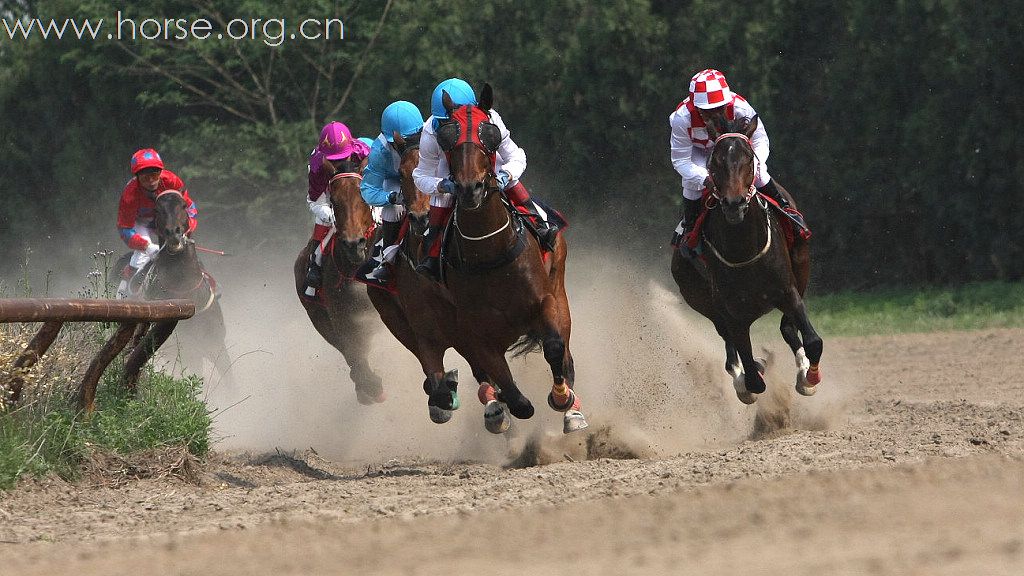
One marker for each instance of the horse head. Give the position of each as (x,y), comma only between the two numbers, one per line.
(470,141)
(416,203)
(171,221)
(732,165)
(351,215)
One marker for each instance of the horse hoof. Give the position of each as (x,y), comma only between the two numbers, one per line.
(495,418)
(805,390)
(573,421)
(746,397)
(439,415)
(522,409)
(571,403)
(369,399)
(813,376)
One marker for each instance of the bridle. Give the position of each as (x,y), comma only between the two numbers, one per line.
(751,190)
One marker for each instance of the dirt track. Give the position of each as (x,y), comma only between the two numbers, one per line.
(909,460)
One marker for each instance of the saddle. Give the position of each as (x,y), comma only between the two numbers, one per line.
(693,239)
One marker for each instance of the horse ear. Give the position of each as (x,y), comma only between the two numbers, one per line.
(712,128)
(486,97)
(751,127)
(399,140)
(329,167)
(446,100)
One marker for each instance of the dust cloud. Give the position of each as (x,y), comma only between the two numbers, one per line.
(648,371)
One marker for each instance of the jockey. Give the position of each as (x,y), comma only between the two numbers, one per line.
(432,174)
(710,97)
(381,186)
(135,214)
(336,143)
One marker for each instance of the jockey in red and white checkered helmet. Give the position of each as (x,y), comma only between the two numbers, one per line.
(709,97)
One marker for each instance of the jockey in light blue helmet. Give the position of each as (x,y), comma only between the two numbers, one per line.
(460,92)
(381,187)
(365,140)
(402,117)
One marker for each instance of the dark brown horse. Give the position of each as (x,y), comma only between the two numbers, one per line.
(340,314)
(506,291)
(420,313)
(750,270)
(176,273)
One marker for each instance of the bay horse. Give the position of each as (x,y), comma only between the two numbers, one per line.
(750,270)
(420,313)
(339,313)
(177,273)
(508,294)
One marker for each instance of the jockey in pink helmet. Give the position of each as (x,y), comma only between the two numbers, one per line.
(710,97)
(135,215)
(336,144)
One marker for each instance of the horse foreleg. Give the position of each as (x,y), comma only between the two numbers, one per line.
(154,339)
(350,337)
(752,369)
(733,365)
(496,367)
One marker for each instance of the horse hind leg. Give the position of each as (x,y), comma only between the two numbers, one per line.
(808,356)
(562,398)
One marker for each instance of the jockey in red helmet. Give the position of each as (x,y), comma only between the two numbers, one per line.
(336,143)
(710,97)
(135,215)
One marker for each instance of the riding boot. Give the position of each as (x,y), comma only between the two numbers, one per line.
(124,288)
(547,231)
(772,191)
(314,272)
(691,209)
(381,273)
(430,266)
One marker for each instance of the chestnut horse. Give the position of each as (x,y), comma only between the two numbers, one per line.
(340,314)
(176,272)
(750,269)
(507,292)
(420,313)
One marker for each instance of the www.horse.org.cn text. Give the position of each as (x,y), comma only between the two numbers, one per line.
(270,31)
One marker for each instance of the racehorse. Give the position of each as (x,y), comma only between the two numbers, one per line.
(507,293)
(419,312)
(176,273)
(749,270)
(339,313)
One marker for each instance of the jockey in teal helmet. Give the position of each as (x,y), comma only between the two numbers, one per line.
(381,187)
(432,174)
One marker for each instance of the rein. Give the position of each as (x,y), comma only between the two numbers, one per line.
(455,220)
(767,242)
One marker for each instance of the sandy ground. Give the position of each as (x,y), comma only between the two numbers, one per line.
(909,460)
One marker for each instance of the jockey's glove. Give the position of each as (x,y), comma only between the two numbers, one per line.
(503,178)
(446,186)
(151,250)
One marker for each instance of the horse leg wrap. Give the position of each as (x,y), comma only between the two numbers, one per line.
(486,393)
(813,375)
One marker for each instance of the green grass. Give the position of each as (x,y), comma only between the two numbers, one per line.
(967,307)
(49,438)
(44,434)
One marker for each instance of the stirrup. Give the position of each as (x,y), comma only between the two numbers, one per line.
(547,236)
(430,267)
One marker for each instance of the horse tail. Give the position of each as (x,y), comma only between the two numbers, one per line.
(531,342)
